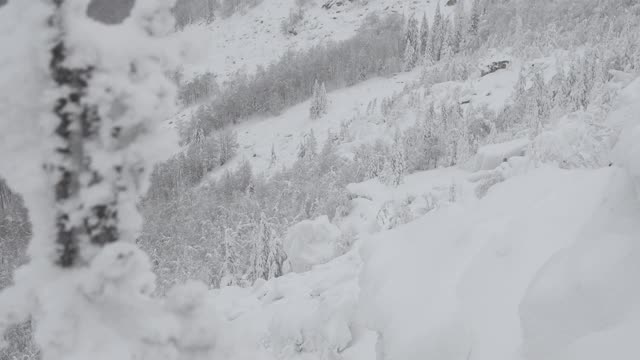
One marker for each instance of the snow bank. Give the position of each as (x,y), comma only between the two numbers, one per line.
(296,316)
(589,286)
(490,156)
(626,119)
(449,285)
(311,242)
(376,206)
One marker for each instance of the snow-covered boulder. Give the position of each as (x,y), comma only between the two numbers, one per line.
(311,242)
(491,156)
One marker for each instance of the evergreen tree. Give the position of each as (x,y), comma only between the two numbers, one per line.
(312,144)
(319,101)
(448,44)
(437,36)
(459,33)
(424,35)
(395,166)
(314,109)
(324,100)
(410,56)
(474,19)
(228,142)
(542,102)
(229,269)
(273,156)
(413,34)
(268,255)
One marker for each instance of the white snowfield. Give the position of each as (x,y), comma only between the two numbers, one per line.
(544,266)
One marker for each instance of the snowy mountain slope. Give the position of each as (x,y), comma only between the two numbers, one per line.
(542,267)
(244,41)
(286,131)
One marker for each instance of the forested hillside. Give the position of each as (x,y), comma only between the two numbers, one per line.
(357,180)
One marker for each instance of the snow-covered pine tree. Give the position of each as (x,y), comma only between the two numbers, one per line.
(437,36)
(229,270)
(315,110)
(275,256)
(541,102)
(89,125)
(302,149)
(448,41)
(413,33)
(312,144)
(395,166)
(459,28)
(267,256)
(324,100)
(474,20)
(410,56)
(580,89)
(274,158)
(228,142)
(424,35)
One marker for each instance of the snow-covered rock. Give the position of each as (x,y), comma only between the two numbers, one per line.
(490,156)
(311,242)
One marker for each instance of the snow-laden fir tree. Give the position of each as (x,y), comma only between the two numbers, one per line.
(539,107)
(319,101)
(448,44)
(229,269)
(84,124)
(424,35)
(474,21)
(308,147)
(395,166)
(267,255)
(412,33)
(459,28)
(274,157)
(410,56)
(437,35)
(228,142)
(324,100)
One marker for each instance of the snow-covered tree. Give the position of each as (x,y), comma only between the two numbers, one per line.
(458,36)
(84,124)
(437,34)
(228,142)
(474,19)
(395,166)
(424,35)
(319,101)
(268,255)
(412,34)
(274,157)
(540,107)
(229,271)
(410,56)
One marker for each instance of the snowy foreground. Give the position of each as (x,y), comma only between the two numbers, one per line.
(544,266)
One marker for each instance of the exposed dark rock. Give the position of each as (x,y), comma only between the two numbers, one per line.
(109,11)
(495,66)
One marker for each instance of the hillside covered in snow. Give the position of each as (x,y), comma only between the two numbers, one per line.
(320,180)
